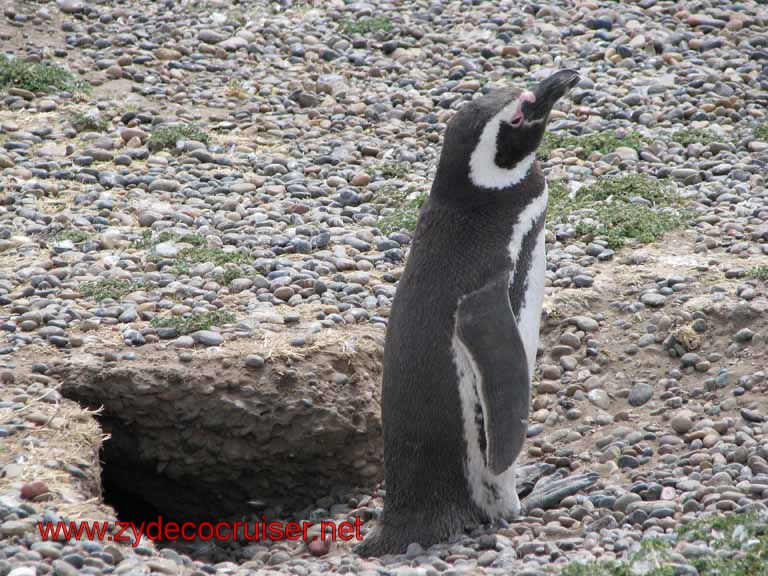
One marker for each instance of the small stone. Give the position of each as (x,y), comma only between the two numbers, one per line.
(586,323)
(743,335)
(70,6)
(254,361)
(320,547)
(34,489)
(640,394)
(183,342)
(413,550)
(599,398)
(62,568)
(360,179)
(752,416)
(208,338)
(682,422)
(653,299)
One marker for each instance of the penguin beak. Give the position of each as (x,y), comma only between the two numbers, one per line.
(547,93)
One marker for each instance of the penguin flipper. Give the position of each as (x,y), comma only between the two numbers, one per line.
(487,327)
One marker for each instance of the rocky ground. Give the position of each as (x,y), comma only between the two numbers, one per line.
(217,182)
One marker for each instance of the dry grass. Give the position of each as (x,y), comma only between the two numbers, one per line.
(70,436)
(346,344)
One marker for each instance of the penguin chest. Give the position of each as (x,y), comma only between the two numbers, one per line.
(496,493)
(528,265)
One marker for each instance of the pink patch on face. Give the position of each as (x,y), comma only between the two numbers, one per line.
(526,96)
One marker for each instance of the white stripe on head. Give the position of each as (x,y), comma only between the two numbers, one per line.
(483,170)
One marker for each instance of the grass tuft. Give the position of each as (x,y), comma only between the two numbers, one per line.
(193,322)
(37,77)
(236,89)
(366,25)
(603,142)
(635,206)
(392,170)
(73,234)
(688,136)
(405,211)
(229,274)
(147,241)
(760,132)
(83,122)
(739,543)
(166,138)
(197,255)
(107,288)
(759,273)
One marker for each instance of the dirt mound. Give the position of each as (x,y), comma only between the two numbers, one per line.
(200,438)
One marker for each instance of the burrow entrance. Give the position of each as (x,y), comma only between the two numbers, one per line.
(212,440)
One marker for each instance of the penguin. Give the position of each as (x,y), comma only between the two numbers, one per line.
(463,330)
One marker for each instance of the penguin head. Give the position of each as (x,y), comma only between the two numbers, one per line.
(490,143)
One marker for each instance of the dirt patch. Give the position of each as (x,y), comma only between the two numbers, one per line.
(201,439)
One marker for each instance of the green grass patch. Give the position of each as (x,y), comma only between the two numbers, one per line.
(688,136)
(83,122)
(143,242)
(366,25)
(72,234)
(643,186)
(560,204)
(193,322)
(629,221)
(760,132)
(739,542)
(197,255)
(107,288)
(613,208)
(229,274)
(759,273)
(391,170)
(603,142)
(653,552)
(405,212)
(37,77)
(148,241)
(165,138)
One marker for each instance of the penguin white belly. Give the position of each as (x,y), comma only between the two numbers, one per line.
(496,494)
(529,319)
(530,313)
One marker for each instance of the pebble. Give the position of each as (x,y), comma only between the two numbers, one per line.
(640,394)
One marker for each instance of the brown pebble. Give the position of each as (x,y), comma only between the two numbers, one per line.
(320,547)
(34,489)
(360,179)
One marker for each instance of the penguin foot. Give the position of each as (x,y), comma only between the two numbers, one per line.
(552,489)
(528,475)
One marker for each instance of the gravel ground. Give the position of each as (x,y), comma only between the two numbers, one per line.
(245,166)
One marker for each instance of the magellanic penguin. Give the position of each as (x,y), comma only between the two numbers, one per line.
(463,330)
